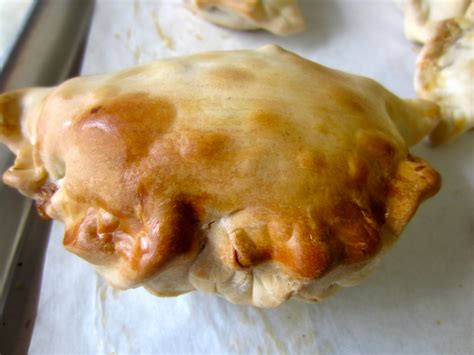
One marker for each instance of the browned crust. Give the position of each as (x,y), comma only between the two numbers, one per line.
(138,247)
(351,235)
(306,246)
(43,199)
(414,182)
(10,111)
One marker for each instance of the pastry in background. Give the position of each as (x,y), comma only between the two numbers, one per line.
(445,75)
(256,175)
(422,16)
(280,17)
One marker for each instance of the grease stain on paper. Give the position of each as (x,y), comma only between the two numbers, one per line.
(100,312)
(115,293)
(136,7)
(167,41)
(137,54)
(101,296)
(268,329)
(302,338)
(128,337)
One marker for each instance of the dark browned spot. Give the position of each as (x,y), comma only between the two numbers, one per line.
(160,232)
(306,254)
(10,108)
(95,109)
(199,202)
(106,223)
(84,240)
(273,123)
(348,99)
(230,75)
(407,189)
(246,251)
(70,235)
(360,239)
(377,145)
(311,160)
(324,129)
(358,171)
(43,199)
(135,119)
(168,229)
(199,146)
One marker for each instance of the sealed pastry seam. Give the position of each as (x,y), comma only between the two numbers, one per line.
(257,175)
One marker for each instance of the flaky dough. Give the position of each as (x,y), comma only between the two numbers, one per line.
(258,175)
(445,75)
(281,17)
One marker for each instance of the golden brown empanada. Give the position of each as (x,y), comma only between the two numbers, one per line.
(258,175)
(445,75)
(281,17)
(422,16)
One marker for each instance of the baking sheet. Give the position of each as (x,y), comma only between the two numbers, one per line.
(419,299)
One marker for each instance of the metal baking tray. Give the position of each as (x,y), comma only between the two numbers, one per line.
(48,50)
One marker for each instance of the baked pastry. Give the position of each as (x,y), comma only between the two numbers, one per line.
(445,75)
(422,16)
(280,17)
(258,175)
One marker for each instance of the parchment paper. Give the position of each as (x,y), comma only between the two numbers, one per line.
(419,300)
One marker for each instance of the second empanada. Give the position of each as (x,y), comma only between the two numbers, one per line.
(280,17)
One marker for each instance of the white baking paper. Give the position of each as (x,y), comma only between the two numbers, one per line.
(419,300)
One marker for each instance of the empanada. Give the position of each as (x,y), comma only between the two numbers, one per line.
(422,16)
(445,75)
(258,175)
(281,17)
